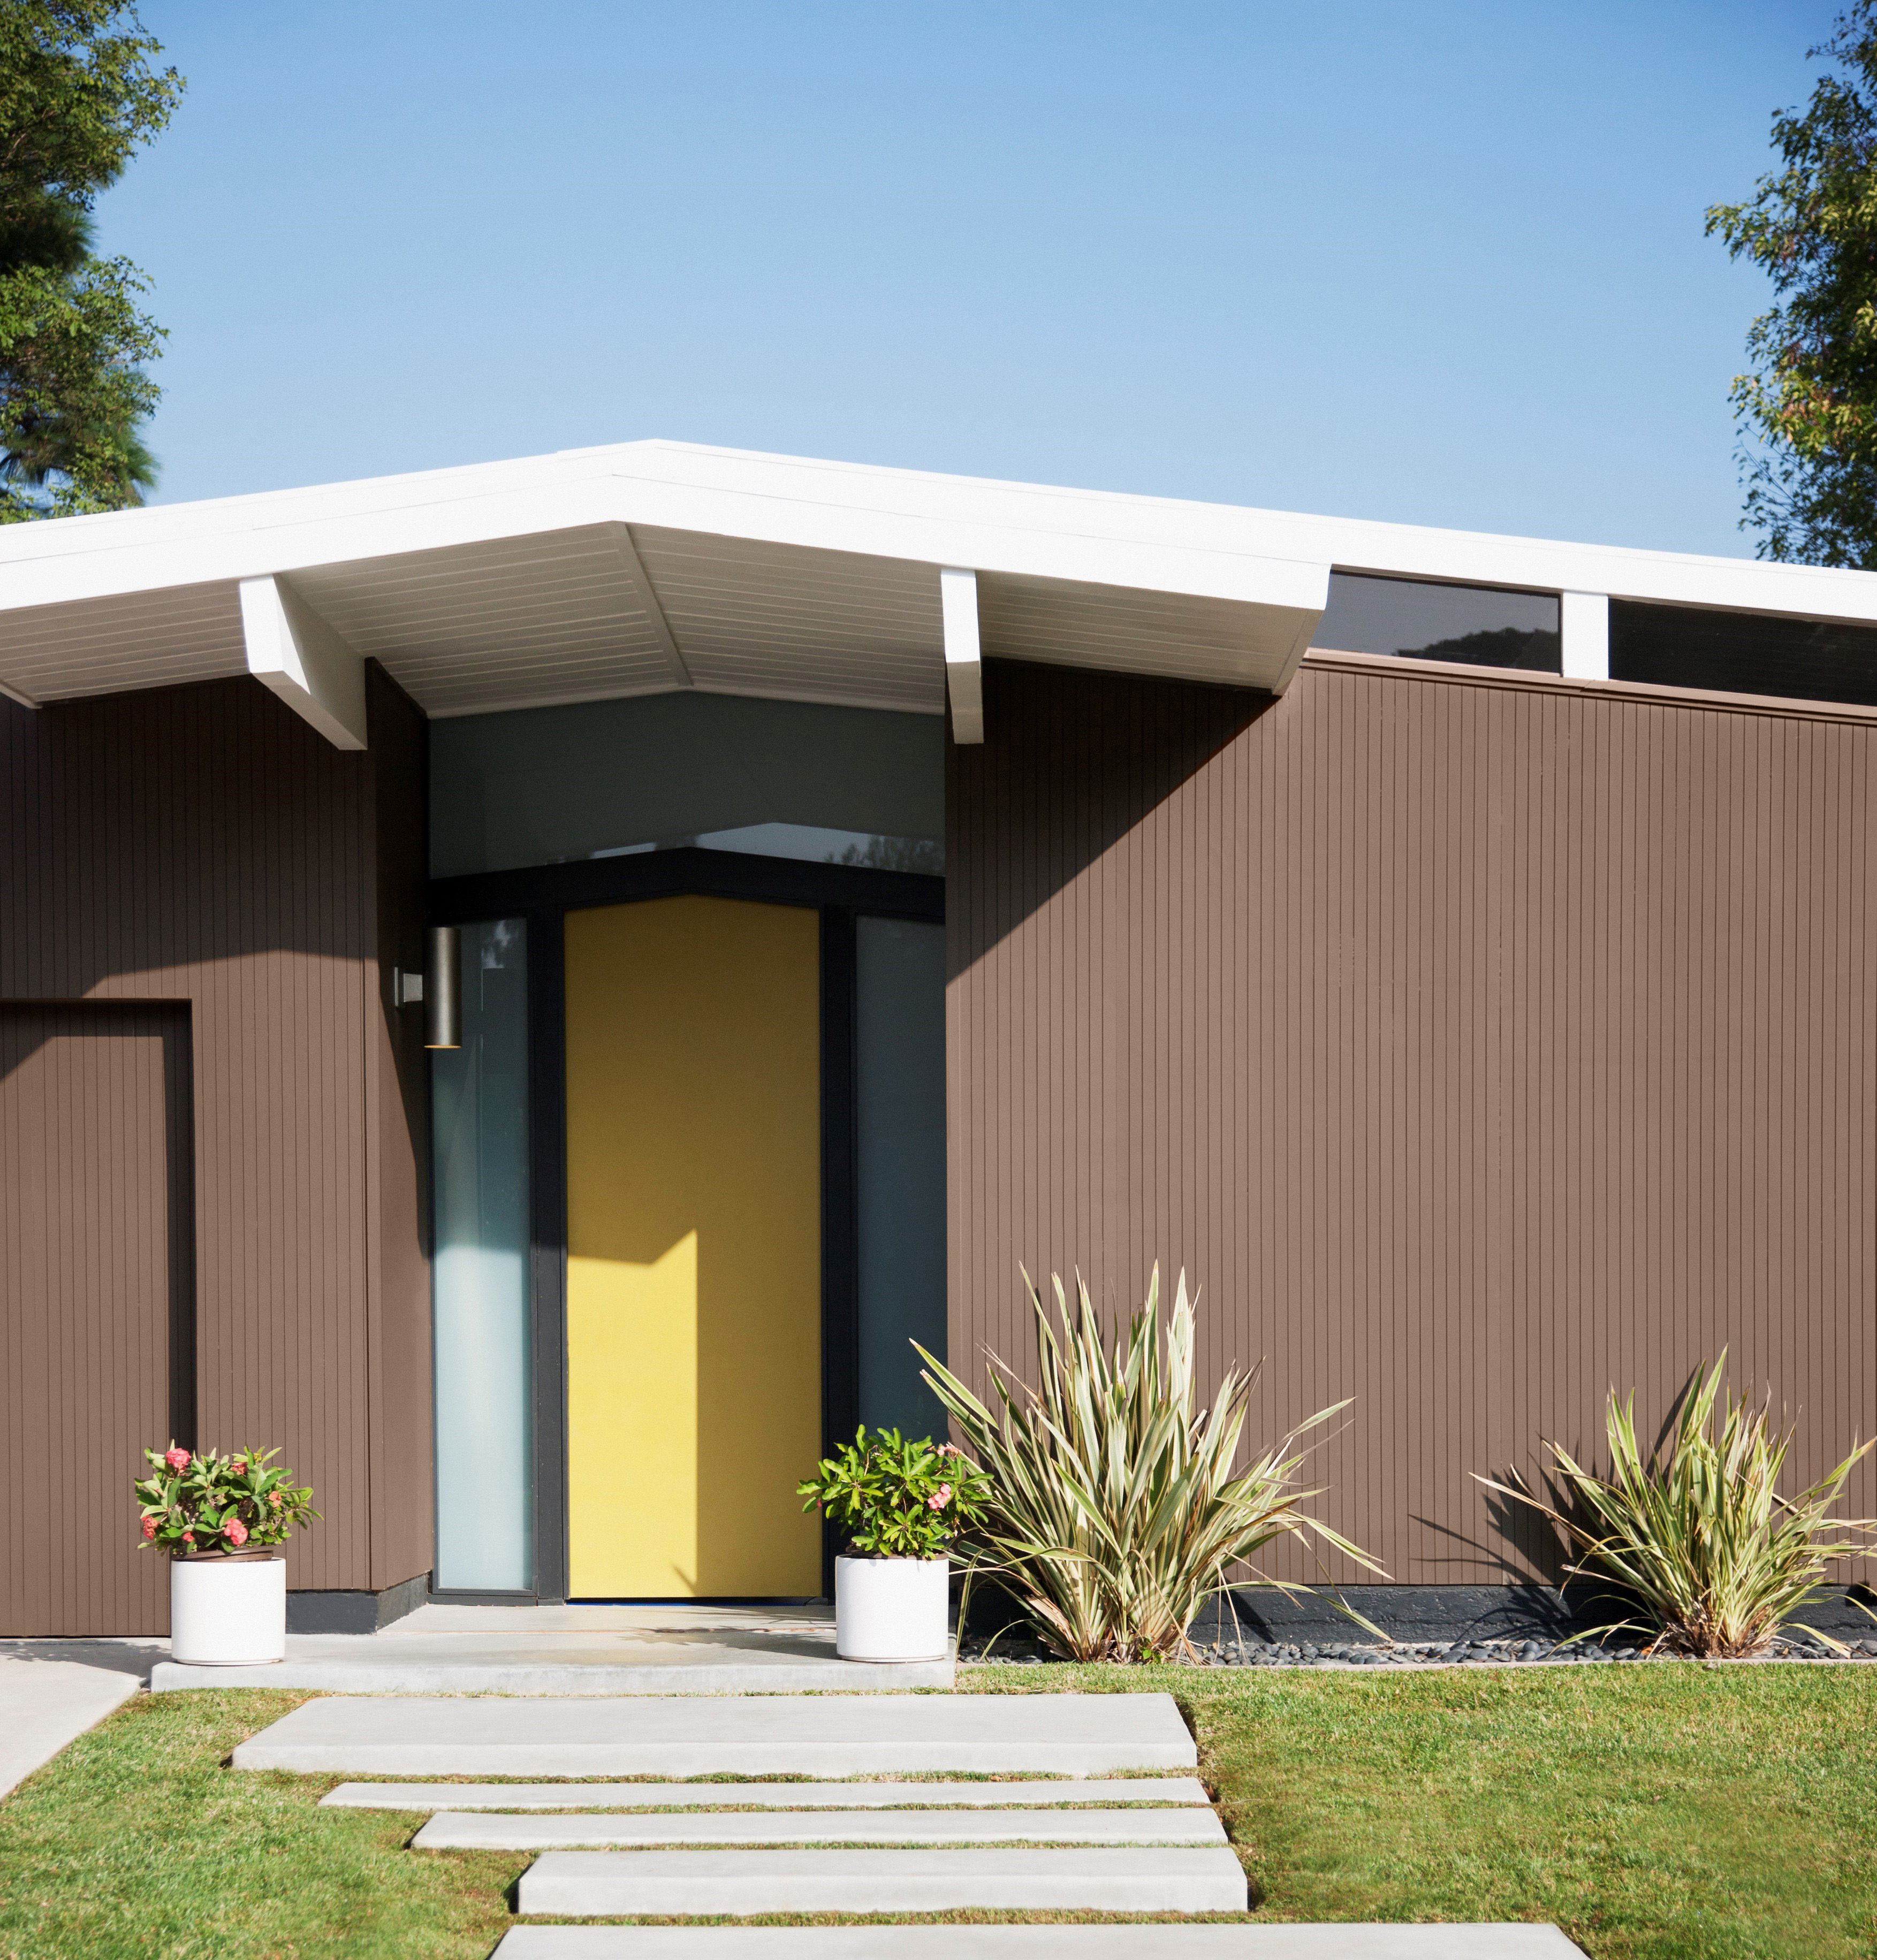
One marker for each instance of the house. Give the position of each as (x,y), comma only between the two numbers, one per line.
(829,888)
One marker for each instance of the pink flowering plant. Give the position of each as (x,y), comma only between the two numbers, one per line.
(202,1502)
(897,1497)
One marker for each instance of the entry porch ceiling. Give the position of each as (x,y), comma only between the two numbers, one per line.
(647,567)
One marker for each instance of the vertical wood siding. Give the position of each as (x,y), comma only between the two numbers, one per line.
(201,845)
(1474,1049)
(403,1503)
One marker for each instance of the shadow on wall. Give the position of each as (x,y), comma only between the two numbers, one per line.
(177,829)
(171,831)
(1118,746)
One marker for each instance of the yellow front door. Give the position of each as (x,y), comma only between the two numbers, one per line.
(693,1248)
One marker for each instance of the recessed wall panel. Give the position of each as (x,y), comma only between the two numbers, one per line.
(97,1278)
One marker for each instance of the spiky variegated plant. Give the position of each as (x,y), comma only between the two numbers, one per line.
(1702,1540)
(1114,1514)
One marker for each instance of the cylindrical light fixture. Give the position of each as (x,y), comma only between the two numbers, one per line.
(443,987)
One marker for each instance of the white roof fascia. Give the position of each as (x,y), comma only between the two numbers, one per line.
(1203,550)
(287,531)
(1343,544)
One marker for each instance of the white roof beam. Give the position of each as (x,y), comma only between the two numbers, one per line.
(964,670)
(1583,628)
(293,652)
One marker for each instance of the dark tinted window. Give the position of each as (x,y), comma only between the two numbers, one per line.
(1420,622)
(1742,653)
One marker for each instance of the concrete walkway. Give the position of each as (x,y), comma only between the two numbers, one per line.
(486,1830)
(1159,1941)
(815,1736)
(1032,1792)
(51,1691)
(978,1838)
(1158,1878)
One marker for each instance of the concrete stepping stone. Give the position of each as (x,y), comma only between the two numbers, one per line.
(1030,1793)
(1366,1942)
(707,1884)
(490,1830)
(818,1735)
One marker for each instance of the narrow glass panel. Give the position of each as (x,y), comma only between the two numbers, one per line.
(1473,624)
(900,1063)
(479,1274)
(1743,653)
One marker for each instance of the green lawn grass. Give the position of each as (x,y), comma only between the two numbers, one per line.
(137,1841)
(1655,1813)
(1658,1813)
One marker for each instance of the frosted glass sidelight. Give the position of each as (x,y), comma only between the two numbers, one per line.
(901,1083)
(479,1274)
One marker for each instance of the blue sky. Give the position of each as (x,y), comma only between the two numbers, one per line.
(1438,262)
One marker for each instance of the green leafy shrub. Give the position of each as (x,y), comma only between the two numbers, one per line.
(897,1498)
(1114,1515)
(206,1501)
(1700,1537)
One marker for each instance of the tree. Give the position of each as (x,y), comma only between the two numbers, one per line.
(78,97)
(1807,410)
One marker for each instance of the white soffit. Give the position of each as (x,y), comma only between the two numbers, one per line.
(752,617)
(648,566)
(1232,642)
(467,628)
(131,639)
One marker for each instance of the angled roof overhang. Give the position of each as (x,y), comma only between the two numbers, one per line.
(638,570)
(653,566)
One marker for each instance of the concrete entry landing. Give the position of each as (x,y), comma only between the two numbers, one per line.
(818,1736)
(561,1650)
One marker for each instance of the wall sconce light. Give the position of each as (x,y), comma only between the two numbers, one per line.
(442,987)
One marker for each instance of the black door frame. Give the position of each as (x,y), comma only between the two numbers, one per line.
(542,896)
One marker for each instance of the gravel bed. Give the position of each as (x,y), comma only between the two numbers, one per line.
(1415,1653)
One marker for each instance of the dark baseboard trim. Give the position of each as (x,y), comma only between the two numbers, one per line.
(1410,1613)
(355,1613)
(1407,1614)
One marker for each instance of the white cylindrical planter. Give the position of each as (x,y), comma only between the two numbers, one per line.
(228,1612)
(891,1609)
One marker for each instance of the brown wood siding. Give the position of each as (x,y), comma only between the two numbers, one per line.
(95,1241)
(1474,1048)
(201,845)
(402,1492)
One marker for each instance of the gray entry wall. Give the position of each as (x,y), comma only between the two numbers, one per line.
(779,778)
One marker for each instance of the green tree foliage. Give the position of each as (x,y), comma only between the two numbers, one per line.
(77,96)
(1808,408)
